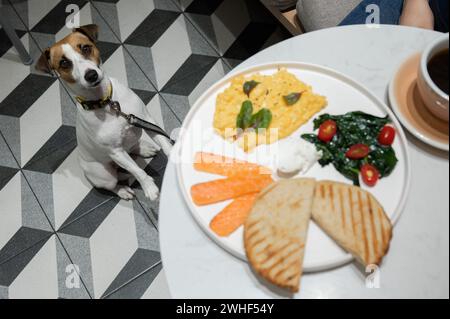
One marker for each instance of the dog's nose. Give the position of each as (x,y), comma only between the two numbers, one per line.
(91,76)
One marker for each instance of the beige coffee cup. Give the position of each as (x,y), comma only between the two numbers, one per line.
(434,98)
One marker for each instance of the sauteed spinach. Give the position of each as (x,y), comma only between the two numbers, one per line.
(354,128)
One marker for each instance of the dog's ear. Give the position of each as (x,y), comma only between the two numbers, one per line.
(43,64)
(90,30)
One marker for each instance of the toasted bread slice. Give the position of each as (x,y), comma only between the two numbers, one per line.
(276,230)
(354,219)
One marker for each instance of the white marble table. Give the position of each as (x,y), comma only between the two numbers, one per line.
(418,263)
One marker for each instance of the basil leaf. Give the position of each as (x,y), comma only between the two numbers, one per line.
(245,115)
(249,86)
(292,98)
(261,120)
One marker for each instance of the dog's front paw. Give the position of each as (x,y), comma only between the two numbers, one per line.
(167,149)
(146,150)
(150,189)
(126,193)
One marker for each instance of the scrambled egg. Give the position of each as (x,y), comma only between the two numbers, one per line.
(269,93)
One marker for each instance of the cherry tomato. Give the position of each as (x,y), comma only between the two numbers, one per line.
(327,131)
(387,136)
(370,175)
(358,151)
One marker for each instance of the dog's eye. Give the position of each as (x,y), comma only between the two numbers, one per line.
(86,49)
(65,64)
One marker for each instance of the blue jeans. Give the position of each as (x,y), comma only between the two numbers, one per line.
(390,12)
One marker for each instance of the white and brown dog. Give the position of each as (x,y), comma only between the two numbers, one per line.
(105,140)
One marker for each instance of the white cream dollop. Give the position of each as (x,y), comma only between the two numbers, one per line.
(297,156)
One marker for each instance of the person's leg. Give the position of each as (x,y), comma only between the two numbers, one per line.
(440,10)
(390,12)
(320,14)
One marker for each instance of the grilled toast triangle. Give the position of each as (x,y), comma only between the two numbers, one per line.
(276,230)
(354,219)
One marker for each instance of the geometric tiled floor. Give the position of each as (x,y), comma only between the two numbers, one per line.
(59,238)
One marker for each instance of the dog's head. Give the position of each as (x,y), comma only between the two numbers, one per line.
(75,58)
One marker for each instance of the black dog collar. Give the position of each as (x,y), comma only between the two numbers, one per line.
(95,105)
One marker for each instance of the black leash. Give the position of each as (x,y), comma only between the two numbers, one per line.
(138,122)
(131,118)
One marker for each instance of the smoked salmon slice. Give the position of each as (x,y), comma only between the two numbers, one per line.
(224,189)
(233,216)
(226,166)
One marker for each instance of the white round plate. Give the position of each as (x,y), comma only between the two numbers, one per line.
(344,95)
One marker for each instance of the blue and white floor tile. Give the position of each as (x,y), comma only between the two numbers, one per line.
(59,237)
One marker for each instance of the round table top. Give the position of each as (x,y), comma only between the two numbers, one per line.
(417,265)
